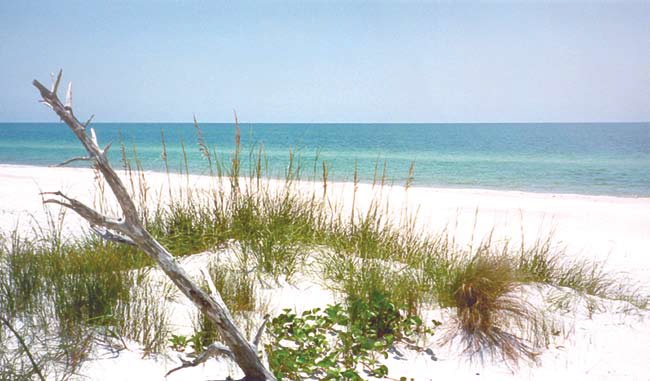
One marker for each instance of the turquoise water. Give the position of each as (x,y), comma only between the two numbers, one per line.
(602,158)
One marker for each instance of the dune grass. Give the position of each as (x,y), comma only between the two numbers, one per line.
(545,264)
(492,318)
(362,254)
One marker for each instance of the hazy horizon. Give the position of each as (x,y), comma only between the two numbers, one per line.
(95,122)
(331,62)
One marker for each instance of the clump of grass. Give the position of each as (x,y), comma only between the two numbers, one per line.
(545,263)
(188,226)
(74,290)
(22,283)
(143,315)
(371,255)
(84,289)
(32,338)
(87,278)
(361,280)
(378,234)
(274,230)
(236,286)
(493,319)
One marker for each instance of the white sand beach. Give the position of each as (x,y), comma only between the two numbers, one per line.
(608,343)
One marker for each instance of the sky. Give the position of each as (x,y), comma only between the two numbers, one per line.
(321,61)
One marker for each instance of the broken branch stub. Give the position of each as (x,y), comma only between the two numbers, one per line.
(130,230)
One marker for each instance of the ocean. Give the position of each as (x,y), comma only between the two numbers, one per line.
(582,158)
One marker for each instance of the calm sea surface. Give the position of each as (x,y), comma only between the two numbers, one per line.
(602,158)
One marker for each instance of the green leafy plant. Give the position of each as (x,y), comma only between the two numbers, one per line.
(330,345)
(198,340)
(179,342)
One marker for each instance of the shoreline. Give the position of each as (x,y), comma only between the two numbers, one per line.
(442,188)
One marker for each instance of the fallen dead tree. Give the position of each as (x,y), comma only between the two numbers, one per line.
(129,229)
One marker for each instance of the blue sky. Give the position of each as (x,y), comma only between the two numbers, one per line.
(330,61)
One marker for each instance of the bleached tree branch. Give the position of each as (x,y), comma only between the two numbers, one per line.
(260,332)
(68,97)
(72,160)
(86,212)
(213,350)
(110,236)
(56,81)
(130,226)
(88,121)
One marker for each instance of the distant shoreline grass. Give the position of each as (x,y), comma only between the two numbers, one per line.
(77,289)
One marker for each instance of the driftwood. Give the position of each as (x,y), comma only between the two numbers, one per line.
(213,350)
(130,230)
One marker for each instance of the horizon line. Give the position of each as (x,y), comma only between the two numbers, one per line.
(330,122)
